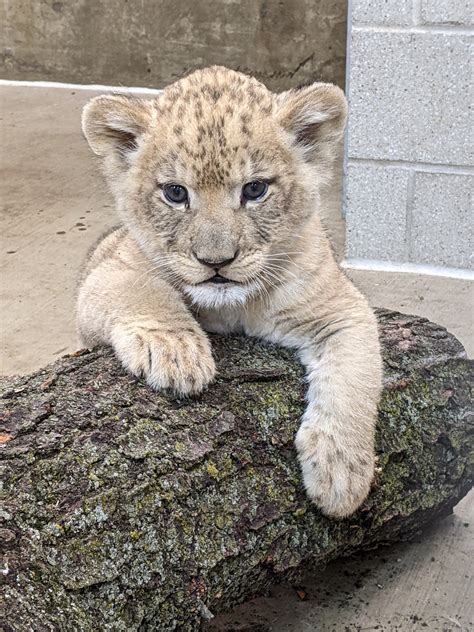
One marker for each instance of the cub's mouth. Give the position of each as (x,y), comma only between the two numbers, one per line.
(218,279)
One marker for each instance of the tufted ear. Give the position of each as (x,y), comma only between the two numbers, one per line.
(113,124)
(315,115)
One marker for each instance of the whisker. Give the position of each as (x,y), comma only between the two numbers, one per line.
(281,272)
(274,266)
(150,272)
(283,257)
(272,275)
(266,295)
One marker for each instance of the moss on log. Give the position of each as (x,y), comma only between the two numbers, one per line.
(132,510)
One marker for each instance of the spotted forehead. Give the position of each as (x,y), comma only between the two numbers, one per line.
(216,87)
(212,116)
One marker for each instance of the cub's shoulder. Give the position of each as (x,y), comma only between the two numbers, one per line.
(105,247)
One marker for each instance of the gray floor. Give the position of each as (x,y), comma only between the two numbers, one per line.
(426,584)
(54,207)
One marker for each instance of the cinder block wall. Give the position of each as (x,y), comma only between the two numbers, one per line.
(408,196)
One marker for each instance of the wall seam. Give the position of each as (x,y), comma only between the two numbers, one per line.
(427,29)
(428,167)
(95,87)
(410,202)
(410,268)
(416,12)
(345,149)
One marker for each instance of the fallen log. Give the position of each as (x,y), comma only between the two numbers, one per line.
(132,510)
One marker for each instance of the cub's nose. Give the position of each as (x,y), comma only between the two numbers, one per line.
(216,263)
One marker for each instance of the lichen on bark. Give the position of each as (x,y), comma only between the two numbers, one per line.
(127,509)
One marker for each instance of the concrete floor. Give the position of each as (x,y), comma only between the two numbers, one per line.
(426,584)
(55,205)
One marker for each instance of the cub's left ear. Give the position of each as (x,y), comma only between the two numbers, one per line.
(316,116)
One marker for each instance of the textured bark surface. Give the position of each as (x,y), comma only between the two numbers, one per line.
(132,510)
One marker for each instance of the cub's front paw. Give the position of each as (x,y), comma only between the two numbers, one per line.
(183,362)
(336,478)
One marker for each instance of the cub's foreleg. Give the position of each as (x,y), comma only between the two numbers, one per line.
(147,324)
(335,442)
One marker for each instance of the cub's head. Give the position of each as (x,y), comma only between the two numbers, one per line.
(216,177)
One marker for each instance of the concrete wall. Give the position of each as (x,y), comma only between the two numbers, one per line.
(154,42)
(409,152)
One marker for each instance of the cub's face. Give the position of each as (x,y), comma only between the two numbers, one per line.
(216,177)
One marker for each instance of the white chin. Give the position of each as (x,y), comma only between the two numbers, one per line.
(215,296)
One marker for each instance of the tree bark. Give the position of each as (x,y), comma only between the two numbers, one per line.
(132,510)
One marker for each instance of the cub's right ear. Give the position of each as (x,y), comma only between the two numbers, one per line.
(113,124)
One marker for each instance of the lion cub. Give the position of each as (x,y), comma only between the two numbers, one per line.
(217,184)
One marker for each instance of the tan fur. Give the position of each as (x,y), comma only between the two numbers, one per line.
(145,293)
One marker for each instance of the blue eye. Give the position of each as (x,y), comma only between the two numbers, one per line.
(175,193)
(254,190)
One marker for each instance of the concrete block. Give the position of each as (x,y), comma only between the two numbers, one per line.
(382,12)
(442,220)
(409,97)
(376,213)
(447,12)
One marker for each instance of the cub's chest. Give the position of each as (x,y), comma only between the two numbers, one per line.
(222,321)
